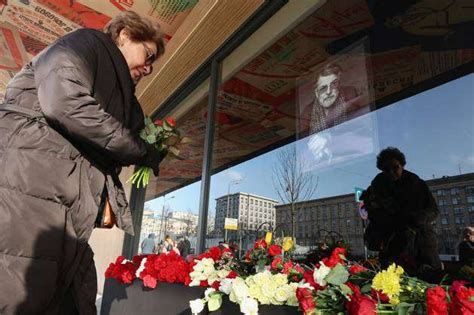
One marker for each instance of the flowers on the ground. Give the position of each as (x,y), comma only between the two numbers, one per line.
(436,302)
(335,285)
(388,281)
(264,287)
(211,267)
(122,270)
(196,305)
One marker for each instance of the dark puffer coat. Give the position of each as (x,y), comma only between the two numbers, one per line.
(54,168)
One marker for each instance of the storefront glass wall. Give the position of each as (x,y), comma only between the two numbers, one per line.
(299,126)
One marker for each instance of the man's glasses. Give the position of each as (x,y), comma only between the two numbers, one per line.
(328,88)
(150,56)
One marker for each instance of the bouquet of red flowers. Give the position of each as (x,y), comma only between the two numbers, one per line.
(170,268)
(151,269)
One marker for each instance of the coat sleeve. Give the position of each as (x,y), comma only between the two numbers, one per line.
(65,84)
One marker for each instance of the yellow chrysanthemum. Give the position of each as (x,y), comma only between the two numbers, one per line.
(388,281)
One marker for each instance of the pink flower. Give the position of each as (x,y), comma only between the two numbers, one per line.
(149,282)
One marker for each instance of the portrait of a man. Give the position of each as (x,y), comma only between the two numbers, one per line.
(333,102)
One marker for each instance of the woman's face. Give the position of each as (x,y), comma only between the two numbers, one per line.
(139,55)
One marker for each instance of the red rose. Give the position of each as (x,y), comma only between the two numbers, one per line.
(436,303)
(149,282)
(274,250)
(170,121)
(305,300)
(204,283)
(159,122)
(260,244)
(215,285)
(354,269)
(232,275)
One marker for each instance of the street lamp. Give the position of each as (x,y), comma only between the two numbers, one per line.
(162,236)
(232,182)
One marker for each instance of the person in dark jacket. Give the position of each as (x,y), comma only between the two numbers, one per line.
(401,212)
(70,121)
(466,247)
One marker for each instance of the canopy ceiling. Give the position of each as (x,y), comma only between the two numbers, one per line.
(28,26)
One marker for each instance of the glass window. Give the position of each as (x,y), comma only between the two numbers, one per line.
(470,199)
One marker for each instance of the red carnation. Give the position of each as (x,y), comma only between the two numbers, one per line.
(232,275)
(363,305)
(305,300)
(379,295)
(170,121)
(277,264)
(260,244)
(462,302)
(274,250)
(149,282)
(354,269)
(436,301)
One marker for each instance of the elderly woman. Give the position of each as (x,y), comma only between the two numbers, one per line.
(69,123)
(401,212)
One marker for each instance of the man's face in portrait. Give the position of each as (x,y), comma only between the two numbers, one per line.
(327,90)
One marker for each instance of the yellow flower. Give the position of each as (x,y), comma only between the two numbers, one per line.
(388,281)
(287,243)
(268,238)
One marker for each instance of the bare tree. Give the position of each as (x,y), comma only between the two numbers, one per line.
(292,182)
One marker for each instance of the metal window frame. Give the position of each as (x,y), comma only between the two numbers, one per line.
(212,69)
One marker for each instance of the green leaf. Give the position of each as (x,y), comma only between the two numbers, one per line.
(404,308)
(214,303)
(148,121)
(167,126)
(338,275)
(151,139)
(143,134)
(366,288)
(345,289)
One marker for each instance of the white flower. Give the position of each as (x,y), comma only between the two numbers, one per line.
(207,292)
(292,299)
(280,279)
(141,268)
(320,274)
(222,273)
(282,293)
(249,306)
(196,305)
(304,285)
(239,289)
(226,285)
